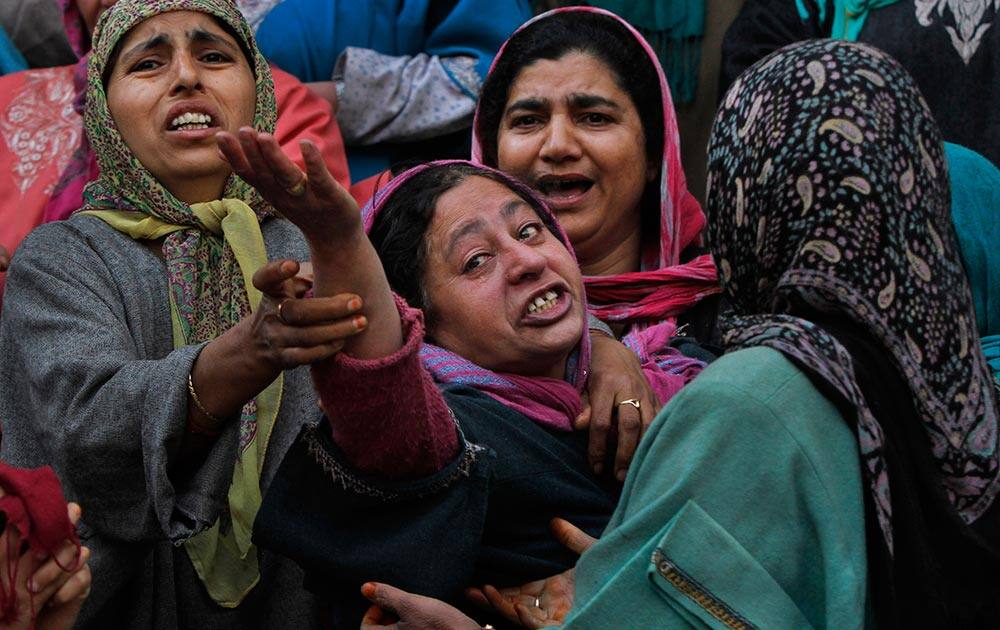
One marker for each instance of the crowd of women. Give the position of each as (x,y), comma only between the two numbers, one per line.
(521,378)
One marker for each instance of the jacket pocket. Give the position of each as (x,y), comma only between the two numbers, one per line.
(710,579)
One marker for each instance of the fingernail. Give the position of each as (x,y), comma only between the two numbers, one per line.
(360,322)
(598,468)
(621,475)
(32,586)
(354,304)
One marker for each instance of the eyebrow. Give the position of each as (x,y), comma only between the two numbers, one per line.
(197,35)
(507,210)
(153,42)
(202,36)
(467,228)
(584,101)
(531,104)
(510,208)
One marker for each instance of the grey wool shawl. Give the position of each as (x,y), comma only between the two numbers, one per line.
(90,384)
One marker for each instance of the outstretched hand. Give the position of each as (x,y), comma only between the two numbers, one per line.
(542,603)
(398,610)
(312,200)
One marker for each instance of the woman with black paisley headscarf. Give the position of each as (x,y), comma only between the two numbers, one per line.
(838,466)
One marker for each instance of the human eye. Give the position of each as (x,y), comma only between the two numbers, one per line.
(596,118)
(215,56)
(144,65)
(475,262)
(529,231)
(525,121)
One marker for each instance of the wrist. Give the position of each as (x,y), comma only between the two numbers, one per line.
(336,246)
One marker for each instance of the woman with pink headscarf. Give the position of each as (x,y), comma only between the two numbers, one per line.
(576,105)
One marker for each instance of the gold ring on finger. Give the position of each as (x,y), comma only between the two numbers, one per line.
(299,188)
(631,401)
(281,317)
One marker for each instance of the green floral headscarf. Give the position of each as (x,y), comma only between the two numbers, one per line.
(211,251)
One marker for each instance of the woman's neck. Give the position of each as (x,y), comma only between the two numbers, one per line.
(625,257)
(199,190)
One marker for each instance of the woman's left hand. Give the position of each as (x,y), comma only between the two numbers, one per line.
(399,610)
(313,200)
(615,377)
(542,603)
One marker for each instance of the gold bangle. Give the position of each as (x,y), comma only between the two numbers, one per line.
(201,407)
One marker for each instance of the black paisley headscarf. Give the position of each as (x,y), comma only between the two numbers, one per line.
(829,196)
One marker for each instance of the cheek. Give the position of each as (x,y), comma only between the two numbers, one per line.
(516,153)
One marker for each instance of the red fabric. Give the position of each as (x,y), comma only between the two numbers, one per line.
(386,414)
(365,190)
(659,294)
(38,132)
(34,505)
(304,115)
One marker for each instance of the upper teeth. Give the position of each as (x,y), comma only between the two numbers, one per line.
(191,118)
(543,302)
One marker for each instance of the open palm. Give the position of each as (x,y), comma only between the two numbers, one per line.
(542,603)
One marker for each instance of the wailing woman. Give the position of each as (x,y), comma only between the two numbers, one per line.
(447,444)
(576,105)
(838,466)
(147,355)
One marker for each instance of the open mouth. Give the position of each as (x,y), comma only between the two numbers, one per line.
(564,186)
(545,301)
(191,121)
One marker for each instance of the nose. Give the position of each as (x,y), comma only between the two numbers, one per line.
(187,76)
(522,262)
(561,142)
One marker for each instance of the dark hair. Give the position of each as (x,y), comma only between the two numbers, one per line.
(552,38)
(399,231)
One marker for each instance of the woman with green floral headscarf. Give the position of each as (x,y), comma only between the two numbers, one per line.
(150,348)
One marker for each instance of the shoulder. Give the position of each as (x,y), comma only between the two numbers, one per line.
(757,396)
(79,236)
(759,376)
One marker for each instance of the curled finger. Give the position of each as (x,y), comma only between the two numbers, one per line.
(629,431)
(600,425)
(309,311)
(320,334)
(500,603)
(286,173)
(232,152)
(571,536)
(318,173)
(270,279)
(261,172)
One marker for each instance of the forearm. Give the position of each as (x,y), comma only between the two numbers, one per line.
(386,414)
(351,265)
(228,373)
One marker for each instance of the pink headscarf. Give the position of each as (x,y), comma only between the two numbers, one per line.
(76,30)
(664,288)
(551,402)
